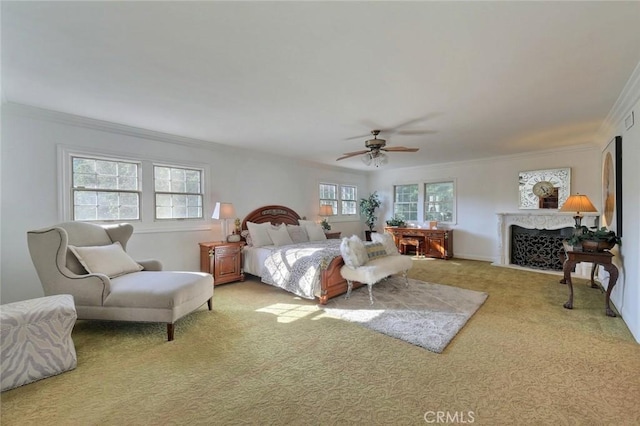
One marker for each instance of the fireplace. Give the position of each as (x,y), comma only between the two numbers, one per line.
(544,221)
(538,248)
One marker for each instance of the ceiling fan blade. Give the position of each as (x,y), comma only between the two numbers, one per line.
(399,149)
(358,137)
(416,132)
(352,154)
(363,151)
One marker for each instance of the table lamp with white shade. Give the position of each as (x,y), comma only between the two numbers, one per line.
(224,212)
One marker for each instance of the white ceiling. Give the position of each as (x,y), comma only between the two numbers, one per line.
(299,78)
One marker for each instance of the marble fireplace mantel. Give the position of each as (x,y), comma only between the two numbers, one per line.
(533,220)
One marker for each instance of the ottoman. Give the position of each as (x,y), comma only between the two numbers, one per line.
(35,339)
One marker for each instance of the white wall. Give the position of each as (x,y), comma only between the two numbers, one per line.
(626,293)
(30,194)
(490,186)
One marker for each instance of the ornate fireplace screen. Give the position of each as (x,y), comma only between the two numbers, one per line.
(538,248)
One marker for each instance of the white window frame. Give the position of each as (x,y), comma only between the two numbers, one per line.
(454,219)
(156,192)
(338,200)
(147,222)
(78,189)
(329,201)
(395,203)
(354,200)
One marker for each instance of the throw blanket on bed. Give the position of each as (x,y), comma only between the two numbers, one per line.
(296,268)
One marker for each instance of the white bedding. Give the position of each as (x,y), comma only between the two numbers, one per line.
(254,257)
(295,268)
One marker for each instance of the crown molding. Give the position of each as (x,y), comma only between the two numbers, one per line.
(529,154)
(123,129)
(629,96)
(106,126)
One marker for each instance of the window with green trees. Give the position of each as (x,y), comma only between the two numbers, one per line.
(439,201)
(406,201)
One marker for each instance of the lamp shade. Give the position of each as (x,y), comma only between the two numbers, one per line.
(578,203)
(326,210)
(223,211)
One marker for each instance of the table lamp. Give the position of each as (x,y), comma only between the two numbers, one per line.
(326,210)
(580,204)
(224,212)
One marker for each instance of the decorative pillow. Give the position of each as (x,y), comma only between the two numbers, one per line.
(315,232)
(247,237)
(304,223)
(110,260)
(375,250)
(353,252)
(386,240)
(279,235)
(297,233)
(259,235)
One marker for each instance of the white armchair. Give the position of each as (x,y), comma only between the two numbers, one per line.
(90,262)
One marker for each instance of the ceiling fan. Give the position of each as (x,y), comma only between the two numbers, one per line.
(374,152)
(399,128)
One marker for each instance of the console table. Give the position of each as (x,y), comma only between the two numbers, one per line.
(436,243)
(600,258)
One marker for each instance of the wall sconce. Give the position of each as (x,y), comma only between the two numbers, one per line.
(580,204)
(224,212)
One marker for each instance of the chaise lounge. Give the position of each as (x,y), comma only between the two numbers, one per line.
(90,262)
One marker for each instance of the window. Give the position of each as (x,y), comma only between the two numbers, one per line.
(329,196)
(105,189)
(178,192)
(439,201)
(345,204)
(348,198)
(406,201)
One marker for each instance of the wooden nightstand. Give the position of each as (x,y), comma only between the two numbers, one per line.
(222,260)
(332,235)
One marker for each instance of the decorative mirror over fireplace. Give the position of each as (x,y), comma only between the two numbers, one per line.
(544,189)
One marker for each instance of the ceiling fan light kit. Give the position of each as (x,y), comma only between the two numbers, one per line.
(377,159)
(373,154)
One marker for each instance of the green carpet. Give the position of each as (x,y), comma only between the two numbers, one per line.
(263,356)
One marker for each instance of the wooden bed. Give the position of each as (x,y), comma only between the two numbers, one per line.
(331,282)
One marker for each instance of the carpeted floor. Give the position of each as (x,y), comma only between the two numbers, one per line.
(265,357)
(424,314)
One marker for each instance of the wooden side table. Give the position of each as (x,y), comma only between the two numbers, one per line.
(600,258)
(333,235)
(223,260)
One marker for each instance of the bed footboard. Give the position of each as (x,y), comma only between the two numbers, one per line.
(331,282)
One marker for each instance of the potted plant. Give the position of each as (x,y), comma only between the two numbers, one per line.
(397,220)
(594,239)
(368,208)
(325,224)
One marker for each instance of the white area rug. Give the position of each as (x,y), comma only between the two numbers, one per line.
(424,314)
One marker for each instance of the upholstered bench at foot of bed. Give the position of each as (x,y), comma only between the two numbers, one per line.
(36,339)
(375,270)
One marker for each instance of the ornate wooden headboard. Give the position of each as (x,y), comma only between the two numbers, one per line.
(274,214)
